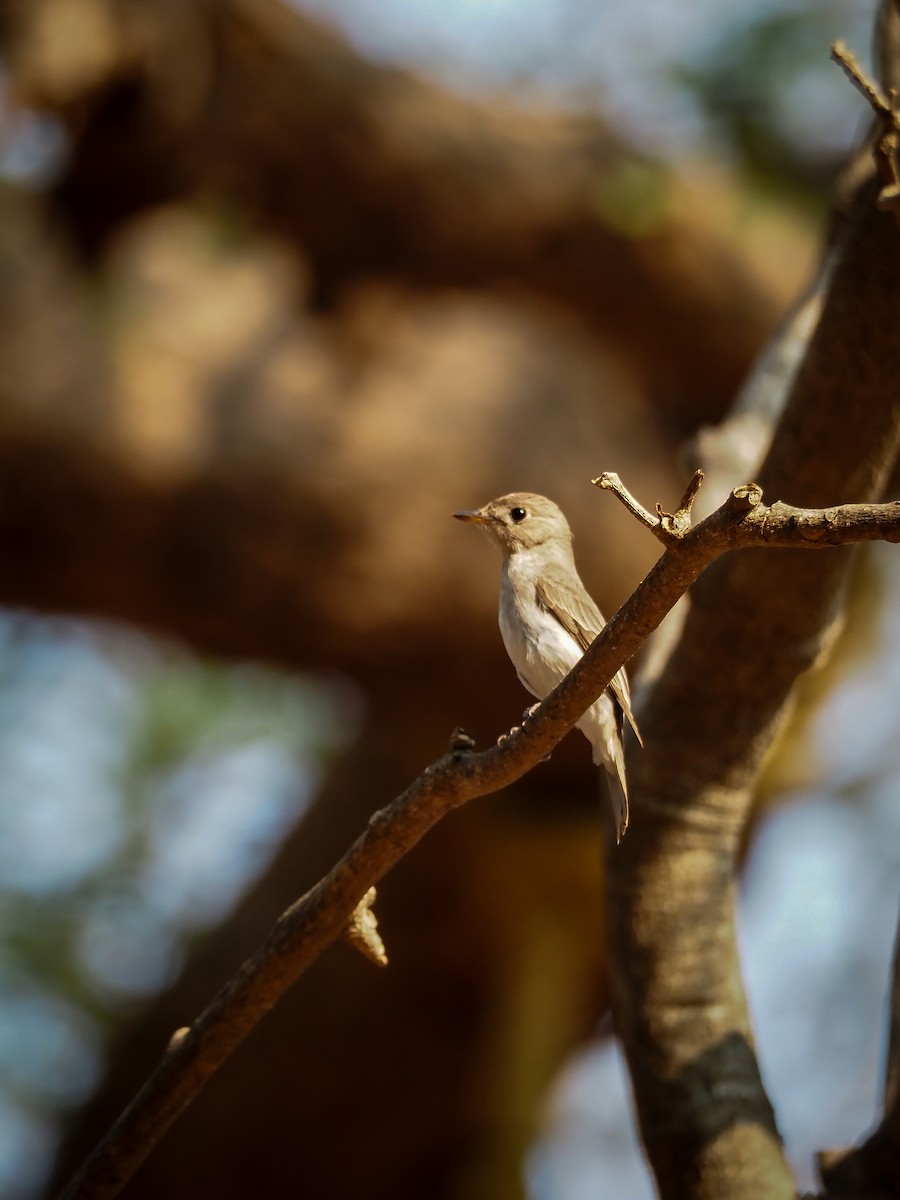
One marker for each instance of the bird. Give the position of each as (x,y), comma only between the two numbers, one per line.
(548,619)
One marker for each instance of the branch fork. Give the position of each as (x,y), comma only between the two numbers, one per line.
(668,527)
(339,905)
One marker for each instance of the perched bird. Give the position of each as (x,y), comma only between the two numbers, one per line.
(548,620)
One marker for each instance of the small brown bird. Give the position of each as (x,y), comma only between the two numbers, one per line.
(548,620)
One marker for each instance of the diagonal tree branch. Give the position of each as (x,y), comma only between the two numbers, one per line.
(326,911)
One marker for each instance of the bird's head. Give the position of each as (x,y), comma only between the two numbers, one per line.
(520,521)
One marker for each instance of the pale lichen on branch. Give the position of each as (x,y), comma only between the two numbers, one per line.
(362,931)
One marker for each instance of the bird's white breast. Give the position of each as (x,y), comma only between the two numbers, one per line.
(543,652)
(540,648)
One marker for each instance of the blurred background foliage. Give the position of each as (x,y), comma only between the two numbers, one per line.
(285,384)
(143,788)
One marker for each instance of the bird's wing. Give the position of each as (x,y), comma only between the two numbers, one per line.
(581,618)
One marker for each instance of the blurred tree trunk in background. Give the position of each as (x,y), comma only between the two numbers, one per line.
(279,315)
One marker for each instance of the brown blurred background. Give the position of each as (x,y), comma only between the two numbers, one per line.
(276,298)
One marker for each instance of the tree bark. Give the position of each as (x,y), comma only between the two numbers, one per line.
(757,621)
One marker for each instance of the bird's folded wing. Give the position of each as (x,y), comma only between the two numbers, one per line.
(582,619)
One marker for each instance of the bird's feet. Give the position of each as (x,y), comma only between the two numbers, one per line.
(504,737)
(526,717)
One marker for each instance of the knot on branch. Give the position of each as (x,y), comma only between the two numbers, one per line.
(744,498)
(461,742)
(820,529)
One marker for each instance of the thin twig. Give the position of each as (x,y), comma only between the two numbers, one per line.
(693,487)
(324,913)
(848,62)
(609,481)
(886,150)
(678,523)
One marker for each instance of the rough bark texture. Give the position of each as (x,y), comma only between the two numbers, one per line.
(707,1124)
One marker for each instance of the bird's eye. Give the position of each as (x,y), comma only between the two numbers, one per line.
(518,514)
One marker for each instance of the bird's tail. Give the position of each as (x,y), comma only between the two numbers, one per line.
(609,756)
(612,782)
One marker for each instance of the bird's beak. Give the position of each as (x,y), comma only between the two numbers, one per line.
(473,516)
